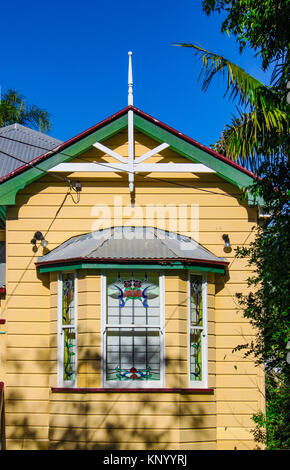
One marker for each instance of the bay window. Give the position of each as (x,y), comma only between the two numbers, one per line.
(197,330)
(133,329)
(67,329)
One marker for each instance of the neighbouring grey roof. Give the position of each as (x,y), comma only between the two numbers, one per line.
(130,243)
(24,144)
(2,264)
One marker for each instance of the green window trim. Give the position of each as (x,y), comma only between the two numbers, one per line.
(106,267)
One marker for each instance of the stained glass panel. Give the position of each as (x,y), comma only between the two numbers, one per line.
(195,355)
(196,327)
(196,300)
(69,334)
(133,347)
(69,354)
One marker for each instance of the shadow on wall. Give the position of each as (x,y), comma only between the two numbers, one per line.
(100,421)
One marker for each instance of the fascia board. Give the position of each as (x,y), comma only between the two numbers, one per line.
(110,267)
(232,174)
(188,150)
(10,188)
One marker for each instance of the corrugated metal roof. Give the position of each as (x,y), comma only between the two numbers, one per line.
(130,243)
(2,264)
(24,144)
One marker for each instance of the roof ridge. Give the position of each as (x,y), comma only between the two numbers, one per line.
(103,239)
(29,131)
(160,239)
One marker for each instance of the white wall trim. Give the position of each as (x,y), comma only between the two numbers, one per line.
(204,347)
(161,327)
(60,335)
(150,153)
(103,326)
(110,152)
(124,167)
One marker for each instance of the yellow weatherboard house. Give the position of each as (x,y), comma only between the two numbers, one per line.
(118,283)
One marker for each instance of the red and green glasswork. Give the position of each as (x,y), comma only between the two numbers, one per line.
(196,327)
(133,327)
(68,319)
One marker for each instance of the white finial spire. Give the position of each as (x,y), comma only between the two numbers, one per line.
(130,81)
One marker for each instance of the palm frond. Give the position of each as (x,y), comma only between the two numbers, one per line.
(14,110)
(246,138)
(262,116)
(240,84)
(36,117)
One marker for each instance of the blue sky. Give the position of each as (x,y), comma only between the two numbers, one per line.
(71,58)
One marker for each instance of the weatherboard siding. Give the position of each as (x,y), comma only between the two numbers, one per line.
(119,420)
(195,421)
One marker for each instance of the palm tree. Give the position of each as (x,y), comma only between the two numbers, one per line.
(14,110)
(257,129)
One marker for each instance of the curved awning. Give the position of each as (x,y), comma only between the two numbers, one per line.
(121,246)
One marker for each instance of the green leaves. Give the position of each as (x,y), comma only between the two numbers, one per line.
(263,25)
(247,136)
(239,83)
(258,137)
(14,110)
(273,427)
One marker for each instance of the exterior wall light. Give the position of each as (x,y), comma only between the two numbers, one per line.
(78,187)
(39,237)
(227,247)
(226,240)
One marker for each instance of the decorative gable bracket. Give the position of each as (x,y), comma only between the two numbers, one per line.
(201,158)
(131,165)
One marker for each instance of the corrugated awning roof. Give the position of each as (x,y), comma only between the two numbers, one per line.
(130,244)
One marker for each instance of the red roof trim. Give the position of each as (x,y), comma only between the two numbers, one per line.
(194,142)
(120,113)
(64,145)
(132,390)
(132,261)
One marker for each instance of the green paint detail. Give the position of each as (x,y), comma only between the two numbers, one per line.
(191,152)
(2,215)
(10,188)
(149,267)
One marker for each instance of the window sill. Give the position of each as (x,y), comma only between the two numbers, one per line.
(133,390)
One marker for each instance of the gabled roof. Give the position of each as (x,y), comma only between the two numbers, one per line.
(128,245)
(12,182)
(24,144)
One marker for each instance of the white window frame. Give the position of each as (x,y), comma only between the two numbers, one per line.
(134,384)
(204,336)
(60,329)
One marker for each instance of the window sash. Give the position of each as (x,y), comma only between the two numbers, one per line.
(147,328)
(198,362)
(67,333)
